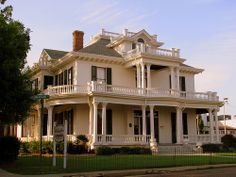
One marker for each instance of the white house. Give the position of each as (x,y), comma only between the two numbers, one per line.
(121,89)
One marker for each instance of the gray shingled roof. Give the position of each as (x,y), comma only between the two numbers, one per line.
(99,48)
(55,54)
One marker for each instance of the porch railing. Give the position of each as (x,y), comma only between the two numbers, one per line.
(94,86)
(123,139)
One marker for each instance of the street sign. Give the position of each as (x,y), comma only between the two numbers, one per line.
(59,133)
(40,96)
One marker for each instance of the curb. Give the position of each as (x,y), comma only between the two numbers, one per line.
(133,172)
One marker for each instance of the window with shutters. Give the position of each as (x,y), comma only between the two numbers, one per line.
(101,75)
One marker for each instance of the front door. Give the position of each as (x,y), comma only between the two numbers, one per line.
(173,127)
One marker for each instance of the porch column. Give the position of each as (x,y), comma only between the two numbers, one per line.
(144,119)
(172,77)
(19,131)
(49,123)
(153,143)
(138,76)
(216,125)
(148,75)
(179,125)
(143,75)
(152,123)
(95,105)
(211,125)
(90,118)
(177,78)
(104,119)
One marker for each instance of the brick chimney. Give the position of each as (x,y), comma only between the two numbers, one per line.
(78,40)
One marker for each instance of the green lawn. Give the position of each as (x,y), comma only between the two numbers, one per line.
(35,165)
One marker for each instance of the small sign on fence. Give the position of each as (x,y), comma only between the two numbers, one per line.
(59,133)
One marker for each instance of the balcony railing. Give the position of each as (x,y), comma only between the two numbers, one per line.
(95,87)
(142,48)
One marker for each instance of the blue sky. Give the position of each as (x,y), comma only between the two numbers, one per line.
(204,30)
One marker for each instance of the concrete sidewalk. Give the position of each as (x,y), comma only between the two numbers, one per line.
(121,173)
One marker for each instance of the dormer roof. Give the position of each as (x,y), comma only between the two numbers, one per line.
(55,54)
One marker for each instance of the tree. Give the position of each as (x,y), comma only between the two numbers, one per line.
(15,86)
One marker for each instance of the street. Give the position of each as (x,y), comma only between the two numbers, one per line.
(213,172)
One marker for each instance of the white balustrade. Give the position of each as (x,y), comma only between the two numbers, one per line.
(94,86)
(142,48)
(123,139)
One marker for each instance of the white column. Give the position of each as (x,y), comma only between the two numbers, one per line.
(148,75)
(104,119)
(138,76)
(211,125)
(177,78)
(216,125)
(95,122)
(90,118)
(49,123)
(19,131)
(179,125)
(144,119)
(143,75)
(172,76)
(152,123)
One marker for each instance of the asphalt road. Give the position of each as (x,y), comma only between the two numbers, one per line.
(213,172)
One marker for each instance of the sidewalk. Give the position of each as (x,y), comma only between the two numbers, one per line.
(121,173)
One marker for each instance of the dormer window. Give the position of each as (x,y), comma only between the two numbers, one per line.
(140,40)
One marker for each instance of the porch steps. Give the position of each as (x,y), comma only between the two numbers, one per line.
(178,149)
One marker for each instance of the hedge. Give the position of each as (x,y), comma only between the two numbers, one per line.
(9,148)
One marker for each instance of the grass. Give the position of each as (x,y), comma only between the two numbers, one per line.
(34,165)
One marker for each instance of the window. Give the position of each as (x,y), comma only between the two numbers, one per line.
(109,121)
(70,76)
(59,118)
(48,80)
(133,46)
(185,124)
(35,84)
(65,77)
(182,86)
(101,74)
(140,40)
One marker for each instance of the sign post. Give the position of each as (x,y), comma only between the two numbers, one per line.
(41,97)
(65,144)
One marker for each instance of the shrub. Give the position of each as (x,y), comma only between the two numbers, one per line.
(9,148)
(214,148)
(134,150)
(76,148)
(34,147)
(229,140)
(24,147)
(104,150)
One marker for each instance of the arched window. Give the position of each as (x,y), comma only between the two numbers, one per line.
(140,40)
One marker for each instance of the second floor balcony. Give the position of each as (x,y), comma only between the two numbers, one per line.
(95,87)
(145,49)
